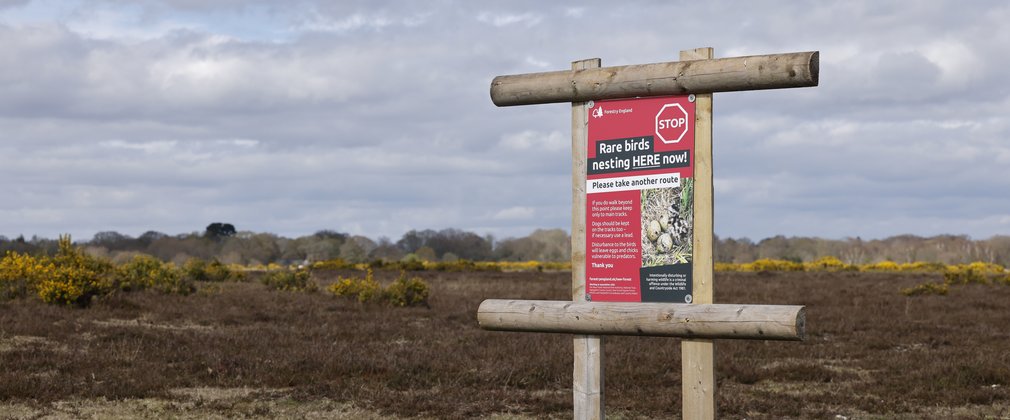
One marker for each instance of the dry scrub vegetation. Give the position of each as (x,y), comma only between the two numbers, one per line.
(244,350)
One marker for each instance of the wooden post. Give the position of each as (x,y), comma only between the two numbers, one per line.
(696,73)
(587,380)
(698,356)
(756,322)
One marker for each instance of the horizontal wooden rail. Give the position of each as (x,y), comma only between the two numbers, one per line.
(773,71)
(759,322)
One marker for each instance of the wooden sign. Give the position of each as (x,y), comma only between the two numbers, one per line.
(646,157)
(640,201)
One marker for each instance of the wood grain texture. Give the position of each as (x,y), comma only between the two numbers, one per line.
(587,372)
(711,321)
(772,71)
(698,356)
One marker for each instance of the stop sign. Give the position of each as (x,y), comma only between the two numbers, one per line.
(671,123)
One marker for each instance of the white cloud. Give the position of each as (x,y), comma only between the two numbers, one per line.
(515,213)
(124,24)
(575,12)
(535,141)
(507,19)
(958,61)
(537,63)
(358,21)
(146,147)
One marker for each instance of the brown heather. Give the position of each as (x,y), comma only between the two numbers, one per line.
(871,353)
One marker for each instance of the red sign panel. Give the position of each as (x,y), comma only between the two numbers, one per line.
(639,200)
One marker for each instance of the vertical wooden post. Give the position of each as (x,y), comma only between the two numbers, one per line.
(587,384)
(698,356)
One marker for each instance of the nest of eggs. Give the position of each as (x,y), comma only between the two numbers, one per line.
(667,222)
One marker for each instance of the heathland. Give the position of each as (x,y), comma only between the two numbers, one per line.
(111,328)
(241,348)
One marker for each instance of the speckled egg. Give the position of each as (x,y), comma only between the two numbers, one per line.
(652,230)
(664,244)
(664,223)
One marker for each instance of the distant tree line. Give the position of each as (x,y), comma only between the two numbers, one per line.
(222,241)
(947,249)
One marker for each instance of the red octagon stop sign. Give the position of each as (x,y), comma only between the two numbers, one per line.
(671,123)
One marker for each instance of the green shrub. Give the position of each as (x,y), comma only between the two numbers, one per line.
(365,289)
(411,262)
(927,267)
(214,271)
(137,274)
(466,265)
(403,291)
(886,266)
(195,269)
(927,289)
(828,264)
(407,292)
(289,280)
(332,264)
(145,271)
(965,275)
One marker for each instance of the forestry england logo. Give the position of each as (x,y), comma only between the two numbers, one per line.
(600,112)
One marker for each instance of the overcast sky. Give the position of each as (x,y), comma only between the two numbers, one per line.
(373,117)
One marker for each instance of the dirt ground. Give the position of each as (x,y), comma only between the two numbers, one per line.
(240,350)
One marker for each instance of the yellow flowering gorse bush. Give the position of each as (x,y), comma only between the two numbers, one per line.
(73,277)
(145,271)
(363,289)
(20,274)
(956,274)
(402,292)
(289,280)
(416,264)
(834,264)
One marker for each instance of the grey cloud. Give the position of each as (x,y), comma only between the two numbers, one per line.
(374,117)
(6,4)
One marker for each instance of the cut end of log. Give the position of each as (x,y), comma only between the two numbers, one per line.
(815,67)
(801,324)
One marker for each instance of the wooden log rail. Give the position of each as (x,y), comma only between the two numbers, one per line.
(702,321)
(772,71)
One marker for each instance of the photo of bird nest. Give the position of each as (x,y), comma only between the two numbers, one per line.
(667,224)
